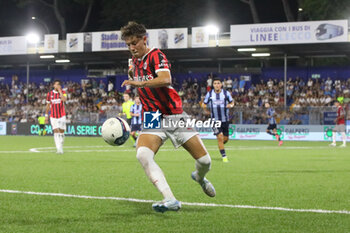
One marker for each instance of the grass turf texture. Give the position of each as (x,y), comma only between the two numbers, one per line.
(298,175)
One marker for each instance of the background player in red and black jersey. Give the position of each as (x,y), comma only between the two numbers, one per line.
(340,124)
(151,75)
(55,102)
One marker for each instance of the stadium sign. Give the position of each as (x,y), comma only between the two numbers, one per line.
(75,42)
(13,45)
(51,43)
(108,41)
(71,130)
(236,131)
(329,117)
(2,128)
(200,37)
(168,38)
(328,133)
(289,33)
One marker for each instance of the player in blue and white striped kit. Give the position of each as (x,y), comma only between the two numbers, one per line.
(136,121)
(272,124)
(219,101)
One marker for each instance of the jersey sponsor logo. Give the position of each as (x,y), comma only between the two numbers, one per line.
(163,64)
(144,77)
(218,102)
(55,101)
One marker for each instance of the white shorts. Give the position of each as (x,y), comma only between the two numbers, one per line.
(58,123)
(178,136)
(339,128)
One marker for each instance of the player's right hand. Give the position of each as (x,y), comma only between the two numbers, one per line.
(46,120)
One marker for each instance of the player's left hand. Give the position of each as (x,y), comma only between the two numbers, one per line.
(130,74)
(132,83)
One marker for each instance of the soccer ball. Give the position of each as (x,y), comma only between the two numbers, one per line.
(115,131)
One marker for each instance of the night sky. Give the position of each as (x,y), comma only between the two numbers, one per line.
(16,21)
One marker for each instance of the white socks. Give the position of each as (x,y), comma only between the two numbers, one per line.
(59,139)
(343,135)
(153,171)
(203,165)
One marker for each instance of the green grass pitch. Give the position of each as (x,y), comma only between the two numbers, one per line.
(298,175)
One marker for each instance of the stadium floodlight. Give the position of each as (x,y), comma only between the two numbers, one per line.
(246,49)
(300,9)
(261,54)
(47,56)
(62,61)
(33,17)
(212,29)
(33,38)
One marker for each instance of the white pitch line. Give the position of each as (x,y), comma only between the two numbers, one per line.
(15,152)
(183,203)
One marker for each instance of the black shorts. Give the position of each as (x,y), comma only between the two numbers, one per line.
(129,121)
(135,127)
(42,126)
(223,129)
(271,127)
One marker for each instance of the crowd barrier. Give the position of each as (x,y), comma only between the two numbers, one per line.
(236,131)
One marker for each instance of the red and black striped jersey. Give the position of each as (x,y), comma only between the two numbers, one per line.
(164,99)
(57,106)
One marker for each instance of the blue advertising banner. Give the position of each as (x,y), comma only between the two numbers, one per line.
(329,117)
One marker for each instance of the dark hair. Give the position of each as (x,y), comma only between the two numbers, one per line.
(133,29)
(57,80)
(216,79)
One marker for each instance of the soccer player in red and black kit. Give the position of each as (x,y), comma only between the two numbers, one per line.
(55,101)
(152,78)
(340,124)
